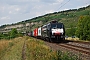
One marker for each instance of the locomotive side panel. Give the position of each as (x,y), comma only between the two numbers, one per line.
(44,31)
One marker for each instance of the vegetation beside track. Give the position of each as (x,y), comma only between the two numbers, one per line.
(76,39)
(35,49)
(14,49)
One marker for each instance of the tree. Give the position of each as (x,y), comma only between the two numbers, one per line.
(83,28)
(71,31)
(13,33)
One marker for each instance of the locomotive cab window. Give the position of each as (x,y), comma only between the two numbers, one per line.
(56,26)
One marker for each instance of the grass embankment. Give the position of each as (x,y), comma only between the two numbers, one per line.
(34,50)
(13,50)
(4,45)
(37,50)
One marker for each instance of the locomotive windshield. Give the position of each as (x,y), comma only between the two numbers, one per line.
(58,25)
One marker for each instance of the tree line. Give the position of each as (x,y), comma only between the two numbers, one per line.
(12,34)
(82,30)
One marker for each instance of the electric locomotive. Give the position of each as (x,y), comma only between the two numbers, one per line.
(53,31)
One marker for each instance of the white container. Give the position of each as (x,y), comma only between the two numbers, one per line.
(39,31)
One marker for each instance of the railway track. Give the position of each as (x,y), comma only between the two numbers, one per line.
(81,49)
(76,48)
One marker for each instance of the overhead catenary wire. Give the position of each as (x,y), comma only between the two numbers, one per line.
(63,4)
(87,2)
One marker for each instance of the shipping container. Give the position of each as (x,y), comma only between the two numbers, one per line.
(39,31)
(36,32)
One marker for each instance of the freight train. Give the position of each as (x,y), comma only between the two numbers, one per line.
(53,32)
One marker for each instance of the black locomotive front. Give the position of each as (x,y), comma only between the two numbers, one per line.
(53,31)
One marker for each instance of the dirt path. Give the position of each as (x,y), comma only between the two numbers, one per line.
(24,51)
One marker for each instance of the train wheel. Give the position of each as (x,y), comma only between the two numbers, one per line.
(50,40)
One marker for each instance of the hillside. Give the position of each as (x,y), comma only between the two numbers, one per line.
(68,17)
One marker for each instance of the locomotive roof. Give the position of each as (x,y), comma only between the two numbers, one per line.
(55,23)
(52,22)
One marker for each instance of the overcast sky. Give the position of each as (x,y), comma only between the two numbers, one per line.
(12,11)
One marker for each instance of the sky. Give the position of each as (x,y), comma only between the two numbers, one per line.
(13,11)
